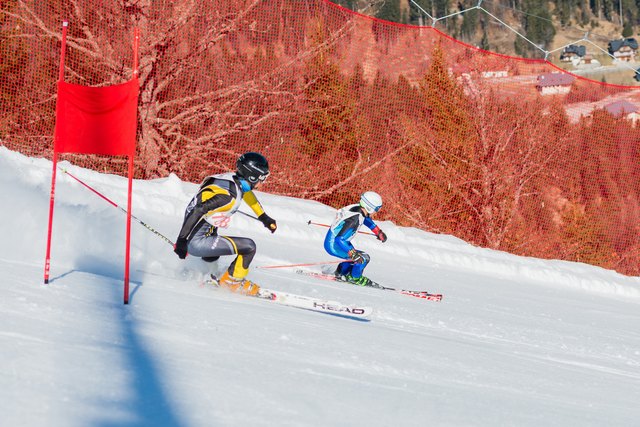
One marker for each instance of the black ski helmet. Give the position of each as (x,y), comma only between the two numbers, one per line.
(253,167)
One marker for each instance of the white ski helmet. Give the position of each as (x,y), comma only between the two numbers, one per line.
(371,202)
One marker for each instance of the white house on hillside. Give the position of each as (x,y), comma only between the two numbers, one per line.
(624,49)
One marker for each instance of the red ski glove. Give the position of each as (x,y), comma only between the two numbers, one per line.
(379,234)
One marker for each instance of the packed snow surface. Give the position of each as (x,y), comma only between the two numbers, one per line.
(515,342)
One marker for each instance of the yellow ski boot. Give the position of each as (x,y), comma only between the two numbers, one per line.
(242,286)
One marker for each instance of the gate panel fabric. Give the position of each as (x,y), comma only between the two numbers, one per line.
(97,120)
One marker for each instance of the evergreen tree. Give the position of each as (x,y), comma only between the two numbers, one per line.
(563,12)
(447,106)
(356,81)
(484,42)
(585,15)
(416,14)
(585,237)
(349,4)
(607,9)
(440,8)
(630,12)
(436,170)
(390,11)
(327,121)
(469,25)
(538,28)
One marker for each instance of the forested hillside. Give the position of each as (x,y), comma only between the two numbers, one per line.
(548,24)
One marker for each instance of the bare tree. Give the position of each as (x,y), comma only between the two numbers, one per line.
(479,189)
(204,84)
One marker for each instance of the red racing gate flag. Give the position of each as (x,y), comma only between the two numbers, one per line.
(96,120)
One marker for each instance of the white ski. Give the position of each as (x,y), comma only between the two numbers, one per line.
(315,304)
(418,294)
(308,303)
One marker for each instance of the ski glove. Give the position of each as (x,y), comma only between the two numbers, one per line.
(356,256)
(268,222)
(181,247)
(379,234)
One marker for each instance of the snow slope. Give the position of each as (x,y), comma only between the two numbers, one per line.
(516,341)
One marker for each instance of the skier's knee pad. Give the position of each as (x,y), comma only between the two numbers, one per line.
(246,247)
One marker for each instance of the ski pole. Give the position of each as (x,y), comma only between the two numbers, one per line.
(119,207)
(327,225)
(249,215)
(303,265)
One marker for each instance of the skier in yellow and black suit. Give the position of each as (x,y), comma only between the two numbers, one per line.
(218,198)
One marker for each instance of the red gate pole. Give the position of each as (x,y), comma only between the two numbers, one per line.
(136,42)
(128,243)
(47,261)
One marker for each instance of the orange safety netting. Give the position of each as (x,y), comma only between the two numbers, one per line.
(502,152)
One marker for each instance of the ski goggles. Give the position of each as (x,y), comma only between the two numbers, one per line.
(258,178)
(369,207)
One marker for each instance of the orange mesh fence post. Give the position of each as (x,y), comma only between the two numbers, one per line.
(95,120)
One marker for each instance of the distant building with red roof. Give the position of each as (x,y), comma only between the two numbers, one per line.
(623,108)
(554,83)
